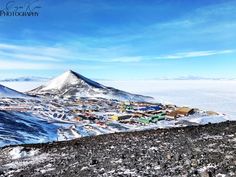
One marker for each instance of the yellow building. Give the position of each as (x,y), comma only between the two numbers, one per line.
(114,117)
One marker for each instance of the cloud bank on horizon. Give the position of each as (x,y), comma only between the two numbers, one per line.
(117,40)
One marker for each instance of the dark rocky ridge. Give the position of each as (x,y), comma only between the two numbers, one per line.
(201,151)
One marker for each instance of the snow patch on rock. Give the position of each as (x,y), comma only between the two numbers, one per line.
(20,152)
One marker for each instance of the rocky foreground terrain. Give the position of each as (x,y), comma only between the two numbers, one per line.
(206,151)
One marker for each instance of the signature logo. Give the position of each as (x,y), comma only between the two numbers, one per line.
(20,8)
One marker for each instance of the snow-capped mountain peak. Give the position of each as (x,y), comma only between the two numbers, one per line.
(69,78)
(71,83)
(62,81)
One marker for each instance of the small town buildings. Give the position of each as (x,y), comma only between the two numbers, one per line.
(212,113)
(184,111)
(158,117)
(179,112)
(120,117)
(145,120)
(77,119)
(171,115)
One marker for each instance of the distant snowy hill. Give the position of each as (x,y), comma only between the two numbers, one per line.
(25,79)
(7,92)
(18,128)
(193,78)
(71,83)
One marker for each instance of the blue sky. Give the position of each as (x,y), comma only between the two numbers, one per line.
(117,39)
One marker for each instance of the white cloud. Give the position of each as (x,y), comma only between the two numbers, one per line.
(36,53)
(195,54)
(9,65)
(64,53)
(30,57)
(180,55)
(23,65)
(44,57)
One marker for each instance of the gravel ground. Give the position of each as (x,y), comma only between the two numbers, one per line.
(201,151)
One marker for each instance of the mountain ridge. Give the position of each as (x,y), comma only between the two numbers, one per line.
(8,92)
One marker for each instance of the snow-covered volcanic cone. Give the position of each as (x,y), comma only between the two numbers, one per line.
(71,83)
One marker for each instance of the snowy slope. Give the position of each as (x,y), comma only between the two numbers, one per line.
(18,128)
(7,92)
(71,83)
